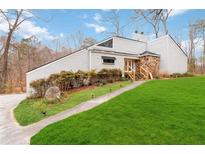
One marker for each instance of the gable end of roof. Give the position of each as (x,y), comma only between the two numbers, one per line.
(177,44)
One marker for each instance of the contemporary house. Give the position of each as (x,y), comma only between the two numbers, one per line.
(137,57)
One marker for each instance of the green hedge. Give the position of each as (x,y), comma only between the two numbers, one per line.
(67,80)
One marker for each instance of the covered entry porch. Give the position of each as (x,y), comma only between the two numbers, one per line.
(146,66)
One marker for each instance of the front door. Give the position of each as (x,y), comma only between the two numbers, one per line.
(129,65)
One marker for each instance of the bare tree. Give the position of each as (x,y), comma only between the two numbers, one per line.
(191,50)
(56,43)
(113,18)
(14,19)
(164,15)
(76,39)
(150,16)
(88,41)
(199,27)
(154,17)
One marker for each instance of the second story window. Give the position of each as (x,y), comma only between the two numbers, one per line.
(108,44)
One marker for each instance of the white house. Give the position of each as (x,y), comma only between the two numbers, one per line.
(123,53)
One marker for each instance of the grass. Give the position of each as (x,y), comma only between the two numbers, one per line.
(157,112)
(26,113)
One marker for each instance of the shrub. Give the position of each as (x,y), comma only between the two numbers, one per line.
(103,73)
(109,75)
(124,79)
(92,75)
(164,75)
(79,78)
(187,74)
(116,74)
(66,80)
(40,86)
(53,79)
(176,75)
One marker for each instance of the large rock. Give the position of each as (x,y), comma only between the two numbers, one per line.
(53,94)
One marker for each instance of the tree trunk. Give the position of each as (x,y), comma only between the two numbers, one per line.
(203,53)
(20,70)
(165,27)
(5,58)
(156,32)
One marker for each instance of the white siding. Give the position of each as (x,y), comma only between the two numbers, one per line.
(177,61)
(159,46)
(172,58)
(128,46)
(97,61)
(74,62)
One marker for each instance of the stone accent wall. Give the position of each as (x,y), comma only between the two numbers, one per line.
(150,63)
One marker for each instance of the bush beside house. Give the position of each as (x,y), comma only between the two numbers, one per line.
(67,80)
(174,75)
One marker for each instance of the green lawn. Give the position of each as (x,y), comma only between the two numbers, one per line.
(26,113)
(157,112)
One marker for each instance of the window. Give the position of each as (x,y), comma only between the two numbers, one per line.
(108,60)
(108,44)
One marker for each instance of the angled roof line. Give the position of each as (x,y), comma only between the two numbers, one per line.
(149,53)
(53,60)
(68,54)
(177,44)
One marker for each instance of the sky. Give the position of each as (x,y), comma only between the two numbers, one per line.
(49,25)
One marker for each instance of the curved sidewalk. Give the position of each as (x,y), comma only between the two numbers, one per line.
(12,133)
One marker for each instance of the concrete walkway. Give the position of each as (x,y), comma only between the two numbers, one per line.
(12,133)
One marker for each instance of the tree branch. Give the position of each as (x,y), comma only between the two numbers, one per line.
(7,19)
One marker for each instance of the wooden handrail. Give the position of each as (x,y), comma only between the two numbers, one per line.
(131,73)
(148,73)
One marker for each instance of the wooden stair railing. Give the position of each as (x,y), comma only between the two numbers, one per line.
(144,71)
(131,73)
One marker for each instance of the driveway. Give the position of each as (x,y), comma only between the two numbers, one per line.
(9,129)
(12,133)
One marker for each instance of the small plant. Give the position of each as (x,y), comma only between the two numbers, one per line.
(124,79)
(92,95)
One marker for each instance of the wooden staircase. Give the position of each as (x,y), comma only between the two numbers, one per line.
(146,67)
(142,72)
